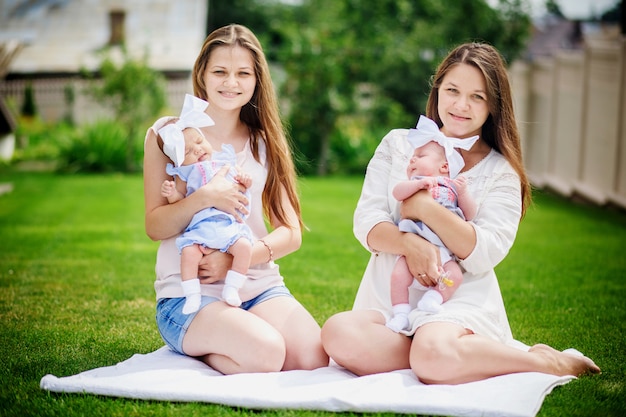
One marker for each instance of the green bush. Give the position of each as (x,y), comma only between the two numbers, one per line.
(37,140)
(136,93)
(356,137)
(98,147)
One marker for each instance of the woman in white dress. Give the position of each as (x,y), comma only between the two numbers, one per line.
(470,338)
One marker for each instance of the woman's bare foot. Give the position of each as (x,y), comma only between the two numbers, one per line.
(563,363)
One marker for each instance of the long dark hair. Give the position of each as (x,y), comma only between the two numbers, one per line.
(262,117)
(500,129)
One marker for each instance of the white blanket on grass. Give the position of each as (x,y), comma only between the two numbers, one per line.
(168,376)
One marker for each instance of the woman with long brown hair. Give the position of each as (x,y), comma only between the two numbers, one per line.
(271,330)
(469,339)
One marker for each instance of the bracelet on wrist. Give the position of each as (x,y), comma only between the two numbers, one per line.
(269,250)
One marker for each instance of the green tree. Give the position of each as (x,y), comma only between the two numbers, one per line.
(331,47)
(553,8)
(136,93)
(252,14)
(427,30)
(317,93)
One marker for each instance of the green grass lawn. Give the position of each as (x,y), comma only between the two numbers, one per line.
(76,276)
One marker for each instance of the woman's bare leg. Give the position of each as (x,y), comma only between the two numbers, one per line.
(359,341)
(299,330)
(232,340)
(446,353)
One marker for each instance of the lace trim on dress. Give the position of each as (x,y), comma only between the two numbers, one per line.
(507,179)
(382,155)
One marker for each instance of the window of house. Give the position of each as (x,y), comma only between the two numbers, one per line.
(116,21)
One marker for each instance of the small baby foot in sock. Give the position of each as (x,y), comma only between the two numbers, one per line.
(430,302)
(191,289)
(398,322)
(231,296)
(192,303)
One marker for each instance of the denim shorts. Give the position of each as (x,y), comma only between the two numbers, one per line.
(173,324)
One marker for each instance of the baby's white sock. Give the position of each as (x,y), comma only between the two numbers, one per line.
(400,319)
(191,289)
(431,302)
(233,282)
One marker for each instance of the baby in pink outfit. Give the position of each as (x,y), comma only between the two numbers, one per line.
(430,168)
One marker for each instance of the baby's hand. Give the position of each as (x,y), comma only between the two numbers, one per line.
(426,183)
(461,184)
(244,179)
(168,188)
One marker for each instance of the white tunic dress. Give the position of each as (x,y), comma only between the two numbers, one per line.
(477,304)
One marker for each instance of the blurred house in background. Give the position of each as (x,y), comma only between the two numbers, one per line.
(54,40)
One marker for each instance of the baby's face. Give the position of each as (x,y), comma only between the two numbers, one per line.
(427,160)
(197,148)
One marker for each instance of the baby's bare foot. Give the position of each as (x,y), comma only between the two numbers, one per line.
(564,363)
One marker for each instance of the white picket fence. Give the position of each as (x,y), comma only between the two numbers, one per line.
(571,110)
(52,106)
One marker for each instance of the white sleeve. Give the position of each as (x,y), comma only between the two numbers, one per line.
(376,204)
(497,220)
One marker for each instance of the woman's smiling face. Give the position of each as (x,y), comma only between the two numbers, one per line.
(230,78)
(462,105)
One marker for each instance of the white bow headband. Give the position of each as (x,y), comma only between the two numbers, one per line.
(428,131)
(192,115)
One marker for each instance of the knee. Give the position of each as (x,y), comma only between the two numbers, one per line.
(305,351)
(269,355)
(333,334)
(340,339)
(313,358)
(432,360)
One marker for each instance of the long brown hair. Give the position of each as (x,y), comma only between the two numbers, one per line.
(500,129)
(262,117)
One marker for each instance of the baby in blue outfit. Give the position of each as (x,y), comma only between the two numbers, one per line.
(194,163)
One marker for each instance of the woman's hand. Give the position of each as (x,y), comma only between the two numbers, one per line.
(422,258)
(225,195)
(213,265)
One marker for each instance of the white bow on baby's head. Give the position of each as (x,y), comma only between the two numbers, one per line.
(428,131)
(192,115)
